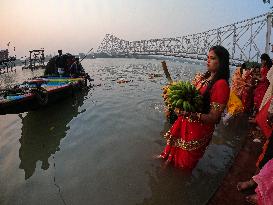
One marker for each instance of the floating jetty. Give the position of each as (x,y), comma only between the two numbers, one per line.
(35,60)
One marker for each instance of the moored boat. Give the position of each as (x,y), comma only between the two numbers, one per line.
(39,92)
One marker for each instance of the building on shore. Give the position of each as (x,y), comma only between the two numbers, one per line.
(4,54)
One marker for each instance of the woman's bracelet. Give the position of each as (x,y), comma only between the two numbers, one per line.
(195,117)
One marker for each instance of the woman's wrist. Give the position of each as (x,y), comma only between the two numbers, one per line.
(195,116)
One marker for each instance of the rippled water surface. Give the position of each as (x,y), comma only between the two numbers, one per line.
(98,148)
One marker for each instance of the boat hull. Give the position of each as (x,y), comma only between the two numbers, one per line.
(54,90)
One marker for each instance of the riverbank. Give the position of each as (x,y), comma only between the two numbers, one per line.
(243,168)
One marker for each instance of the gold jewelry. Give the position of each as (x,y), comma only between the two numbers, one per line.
(188,145)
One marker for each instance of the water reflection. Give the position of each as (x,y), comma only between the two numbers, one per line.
(43,130)
(7,80)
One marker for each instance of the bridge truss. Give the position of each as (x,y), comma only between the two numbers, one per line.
(241,39)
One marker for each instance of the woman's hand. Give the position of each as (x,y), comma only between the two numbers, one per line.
(167,112)
(180,112)
(195,116)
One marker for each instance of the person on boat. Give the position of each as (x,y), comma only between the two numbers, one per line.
(262,81)
(76,68)
(191,133)
(262,181)
(61,63)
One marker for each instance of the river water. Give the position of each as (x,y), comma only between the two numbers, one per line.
(98,148)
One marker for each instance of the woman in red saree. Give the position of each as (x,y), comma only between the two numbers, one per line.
(263,82)
(191,133)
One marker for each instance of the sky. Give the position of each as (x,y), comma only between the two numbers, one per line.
(76,26)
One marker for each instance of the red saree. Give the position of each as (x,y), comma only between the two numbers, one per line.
(261,88)
(187,140)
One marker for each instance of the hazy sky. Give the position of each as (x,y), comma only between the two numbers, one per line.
(76,26)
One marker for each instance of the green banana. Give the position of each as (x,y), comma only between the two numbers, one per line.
(179,103)
(183,95)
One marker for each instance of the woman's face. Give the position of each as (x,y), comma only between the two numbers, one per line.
(212,62)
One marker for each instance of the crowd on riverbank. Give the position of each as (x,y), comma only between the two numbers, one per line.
(251,93)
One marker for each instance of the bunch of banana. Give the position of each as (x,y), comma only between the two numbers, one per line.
(166,92)
(182,95)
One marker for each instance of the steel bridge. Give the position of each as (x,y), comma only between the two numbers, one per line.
(240,39)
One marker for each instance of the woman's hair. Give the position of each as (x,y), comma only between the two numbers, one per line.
(242,68)
(222,73)
(266,58)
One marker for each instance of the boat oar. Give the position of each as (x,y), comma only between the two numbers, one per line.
(166,71)
(87,76)
(86,54)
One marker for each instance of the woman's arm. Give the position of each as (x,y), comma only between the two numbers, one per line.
(218,100)
(212,117)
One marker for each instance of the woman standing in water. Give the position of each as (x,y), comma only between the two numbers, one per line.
(191,133)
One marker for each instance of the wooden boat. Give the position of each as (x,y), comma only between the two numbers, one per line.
(39,92)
